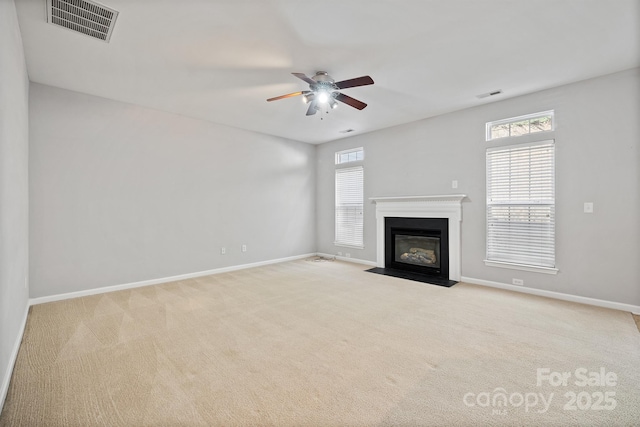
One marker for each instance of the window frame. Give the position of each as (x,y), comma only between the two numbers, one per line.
(356,151)
(511,120)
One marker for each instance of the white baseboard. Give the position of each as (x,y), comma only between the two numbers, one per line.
(354,260)
(556,295)
(4,387)
(105,289)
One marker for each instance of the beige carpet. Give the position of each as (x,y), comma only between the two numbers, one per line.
(320,343)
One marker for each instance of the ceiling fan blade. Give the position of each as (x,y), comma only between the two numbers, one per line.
(303,77)
(350,101)
(285,96)
(358,81)
(312,108)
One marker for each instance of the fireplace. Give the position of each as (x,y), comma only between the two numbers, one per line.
(420,245)
(418,237)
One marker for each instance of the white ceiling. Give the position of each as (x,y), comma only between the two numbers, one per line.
(219,60)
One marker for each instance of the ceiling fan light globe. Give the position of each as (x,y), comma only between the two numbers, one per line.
(323,97)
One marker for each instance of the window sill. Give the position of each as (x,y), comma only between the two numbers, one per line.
(344,245)
(545,270)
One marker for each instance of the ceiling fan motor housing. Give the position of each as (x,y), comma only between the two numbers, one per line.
(323,82)
(323,77)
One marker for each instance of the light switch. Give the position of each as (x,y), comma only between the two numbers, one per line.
(588,207)
(454,183)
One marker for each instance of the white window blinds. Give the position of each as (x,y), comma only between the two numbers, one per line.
(349,206)
(521,204)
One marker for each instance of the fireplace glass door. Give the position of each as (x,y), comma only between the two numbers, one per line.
(423,251)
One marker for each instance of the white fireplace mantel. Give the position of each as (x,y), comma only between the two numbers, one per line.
(438,206)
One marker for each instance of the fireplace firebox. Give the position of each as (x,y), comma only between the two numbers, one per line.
(418,244)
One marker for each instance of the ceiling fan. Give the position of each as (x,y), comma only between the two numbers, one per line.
(324,91)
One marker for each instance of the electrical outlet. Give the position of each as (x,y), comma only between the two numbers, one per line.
(348,255)
(588,207)
(339,253)
(518,282)
(244,248)
(223,251)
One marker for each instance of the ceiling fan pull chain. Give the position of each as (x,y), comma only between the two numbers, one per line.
(323,111)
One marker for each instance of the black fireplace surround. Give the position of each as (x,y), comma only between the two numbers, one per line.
(417,249)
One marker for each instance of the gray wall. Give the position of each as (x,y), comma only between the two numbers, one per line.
(598,160)
(121,193)
(14,208)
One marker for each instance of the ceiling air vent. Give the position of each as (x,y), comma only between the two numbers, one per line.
(82,16)
(488,94)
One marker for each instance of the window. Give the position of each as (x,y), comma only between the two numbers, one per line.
(347,156)
(522,125)
(521,206)
(349,206)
